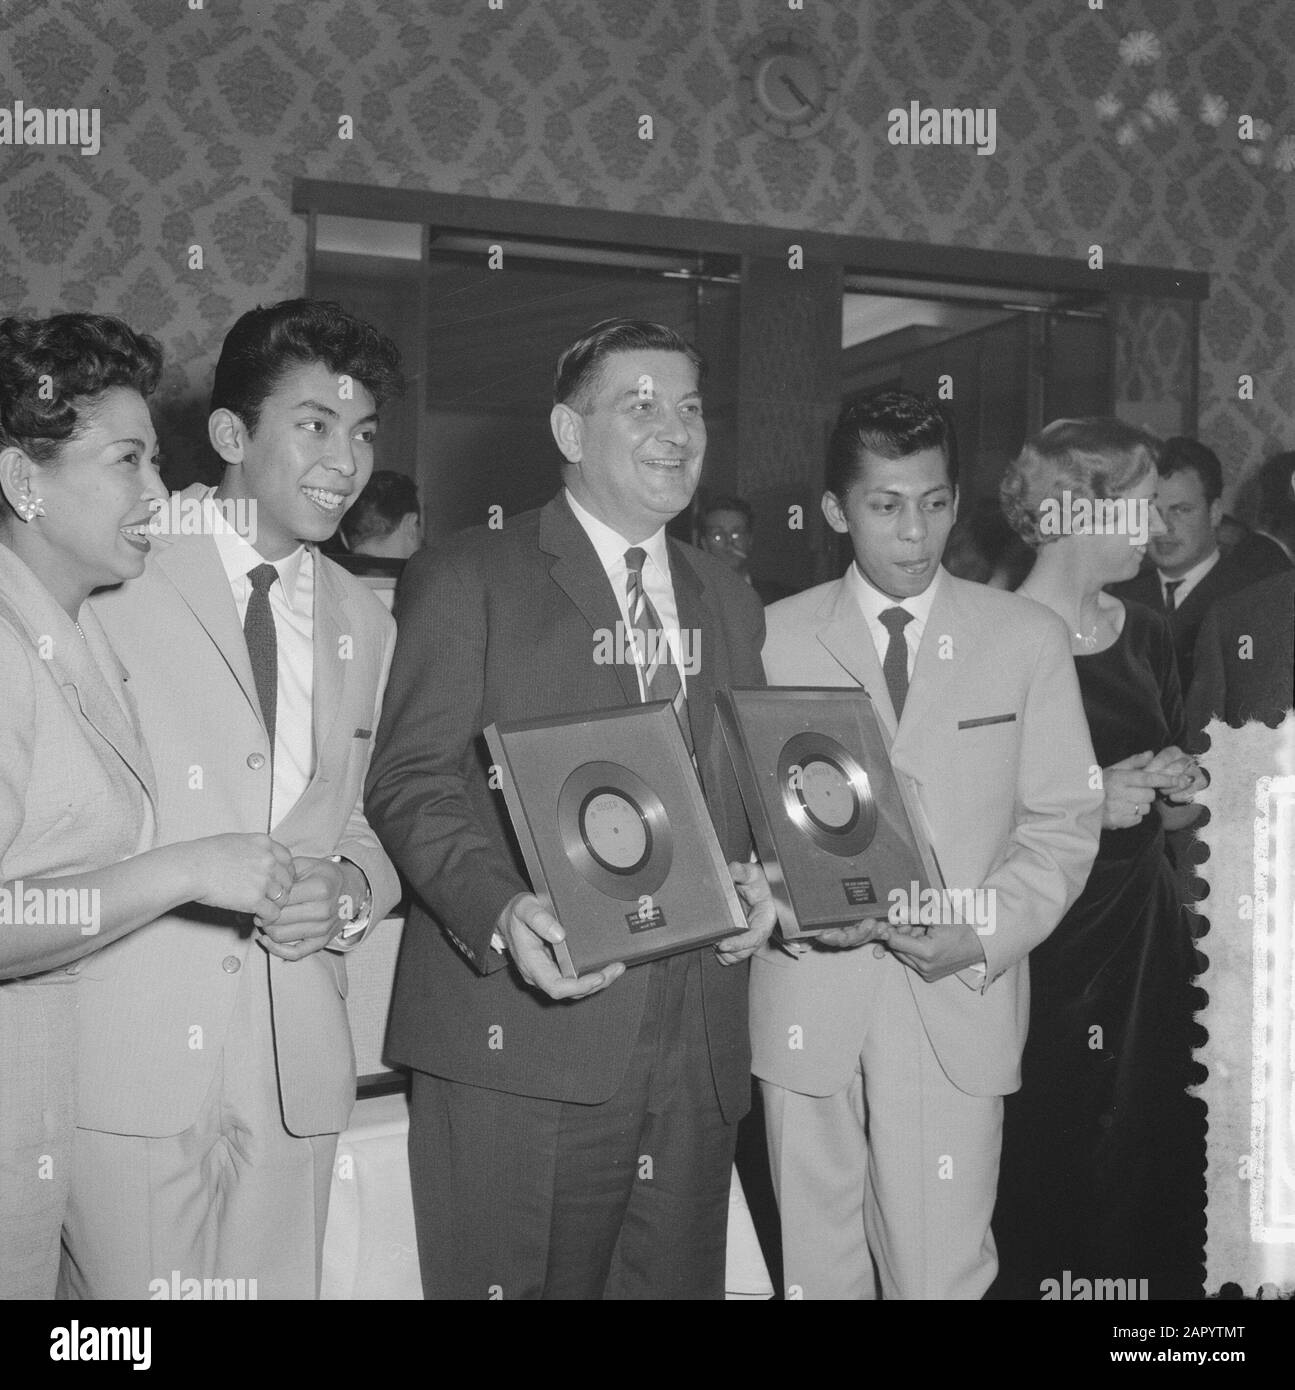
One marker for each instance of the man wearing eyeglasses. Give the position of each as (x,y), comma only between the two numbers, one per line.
(728,533)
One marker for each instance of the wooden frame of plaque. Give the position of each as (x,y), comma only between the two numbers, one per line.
(615,833)
(836,828)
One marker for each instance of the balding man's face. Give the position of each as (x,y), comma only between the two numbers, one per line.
(635,457)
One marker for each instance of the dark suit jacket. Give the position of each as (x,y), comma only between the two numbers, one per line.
(1237,679)
(501,625)
(1260,556)
(369,566)
(771,590)
(1185,621)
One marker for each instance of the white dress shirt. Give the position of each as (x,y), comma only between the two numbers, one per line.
(872,603)
(292,604)
(611,547)
(1189,580)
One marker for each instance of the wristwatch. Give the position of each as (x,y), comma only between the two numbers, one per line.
(360,919)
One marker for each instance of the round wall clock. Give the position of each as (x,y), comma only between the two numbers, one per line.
(788,83)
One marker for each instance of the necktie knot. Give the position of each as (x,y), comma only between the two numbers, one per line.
(634,558)
(262,577)
(895,620)
(1171,589)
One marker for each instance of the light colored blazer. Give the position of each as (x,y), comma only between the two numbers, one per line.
(995,741)
(76,794)
(155,1007)
(76,785)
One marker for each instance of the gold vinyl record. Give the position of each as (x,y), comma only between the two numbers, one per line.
(827,794)
(615,831)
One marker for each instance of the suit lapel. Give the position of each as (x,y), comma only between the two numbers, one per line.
(112,715)
(691,609)
(192,564)
(330,623)
(846,637)
(1212,587)
(934,668)
(81,665)
(578,572)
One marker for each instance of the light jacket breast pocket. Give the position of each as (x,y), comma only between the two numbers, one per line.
(361,743)
(985,721)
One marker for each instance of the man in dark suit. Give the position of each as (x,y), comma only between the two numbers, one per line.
(1245,658)
(728,533)
(383,529)
(1188,573)
(568,1138)
(1270,546)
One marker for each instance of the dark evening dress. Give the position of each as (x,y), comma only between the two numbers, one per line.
(1103,1151)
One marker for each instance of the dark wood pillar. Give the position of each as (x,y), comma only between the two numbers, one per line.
(789,373)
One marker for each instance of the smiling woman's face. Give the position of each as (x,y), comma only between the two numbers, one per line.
(96,495)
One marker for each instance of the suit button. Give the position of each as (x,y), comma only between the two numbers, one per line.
(231,965)
(256,761)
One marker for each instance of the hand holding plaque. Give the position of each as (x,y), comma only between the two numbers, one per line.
(837,830)
(614,830)
(531,932)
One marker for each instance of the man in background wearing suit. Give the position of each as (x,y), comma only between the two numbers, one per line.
(884,1066)
(727,532)
(1245,655)
(1270,546)
(1245,658)
(1188,573)
(383,529)
(568,1138)
(216,1067)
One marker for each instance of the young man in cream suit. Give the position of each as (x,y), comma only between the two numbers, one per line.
(216,1067)
(884,1050)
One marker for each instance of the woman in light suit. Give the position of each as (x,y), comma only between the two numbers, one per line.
(77,480)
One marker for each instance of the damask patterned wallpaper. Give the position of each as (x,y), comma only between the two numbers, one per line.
(209,108)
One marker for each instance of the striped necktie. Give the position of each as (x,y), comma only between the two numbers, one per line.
(661,679)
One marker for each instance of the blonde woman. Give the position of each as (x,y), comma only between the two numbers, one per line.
(1102,1149)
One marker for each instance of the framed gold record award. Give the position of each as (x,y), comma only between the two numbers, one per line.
(614,831)
(836,828)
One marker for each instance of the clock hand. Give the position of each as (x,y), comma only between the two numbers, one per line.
(796,92)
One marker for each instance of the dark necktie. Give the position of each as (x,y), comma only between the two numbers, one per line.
(263,645)
(895,666)
(661,679)
(1171,588)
